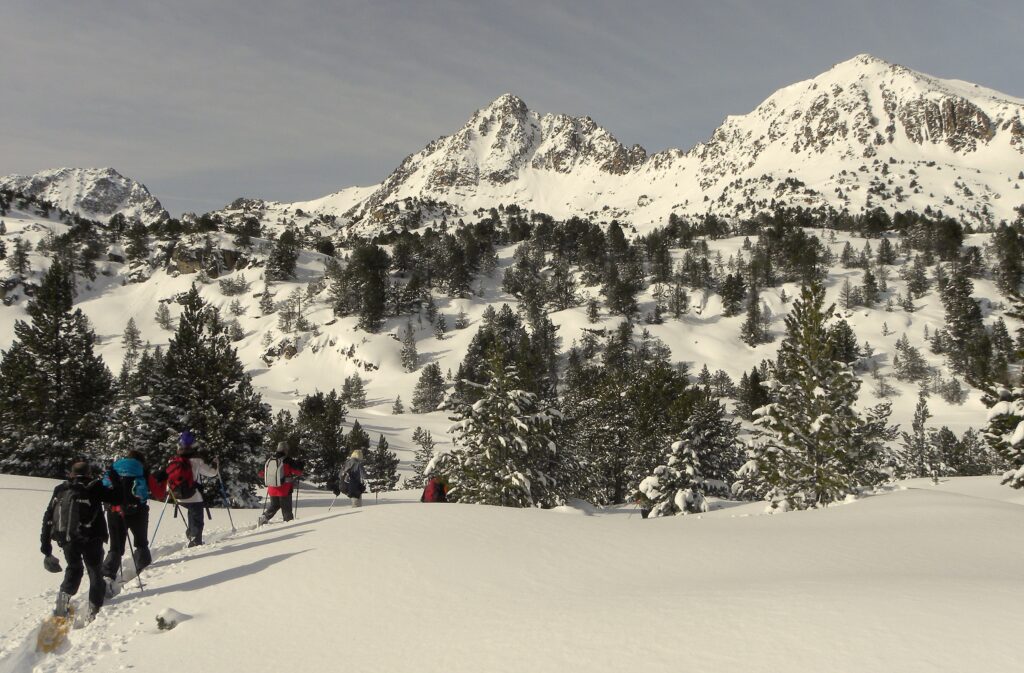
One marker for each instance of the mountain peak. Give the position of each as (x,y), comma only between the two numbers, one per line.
(94,193)
(504,105)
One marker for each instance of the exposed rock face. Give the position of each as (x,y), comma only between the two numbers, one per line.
(94,193)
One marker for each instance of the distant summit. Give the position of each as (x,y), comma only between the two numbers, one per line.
(94,193)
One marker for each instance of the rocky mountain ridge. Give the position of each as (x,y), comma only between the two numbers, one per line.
(93,193)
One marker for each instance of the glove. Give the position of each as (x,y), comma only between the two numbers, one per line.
(51,563)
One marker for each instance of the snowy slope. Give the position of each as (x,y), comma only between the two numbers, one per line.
(921,579)
(93,193)
(339,349)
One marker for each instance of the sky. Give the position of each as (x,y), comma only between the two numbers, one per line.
(205,101)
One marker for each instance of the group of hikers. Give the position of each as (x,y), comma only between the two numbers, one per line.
(87,510)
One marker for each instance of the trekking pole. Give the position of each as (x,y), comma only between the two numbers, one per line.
(295,510)
(227,506)
(131,547)
(333,501)
(159,519)
(177,510)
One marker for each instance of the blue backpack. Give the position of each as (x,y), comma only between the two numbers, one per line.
(130,478)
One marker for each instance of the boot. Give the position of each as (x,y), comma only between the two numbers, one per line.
(113,587)
(195,542)
(63,602)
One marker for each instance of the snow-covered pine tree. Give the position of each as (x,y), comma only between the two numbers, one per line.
(700,463)
(422,458)
(398,408)
(1005,431)
(410,358)
(504,452)
(816,447)
(53,387)
(381,468)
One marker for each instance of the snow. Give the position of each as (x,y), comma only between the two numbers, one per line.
(921,578)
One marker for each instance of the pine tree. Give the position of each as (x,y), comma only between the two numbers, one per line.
(353,392)
(753,332)
(700,463)
(917,457)
(440,327)
(357,440)
(423,457)
(462,321)
(381,468)
(429,391)
(398,408)
(410,358)
(204,388)
(815,447)
(504,452)
(1004,432)
(53,387)
(163,316)
(18,262)
(283,258)
(267,303)
(321,434)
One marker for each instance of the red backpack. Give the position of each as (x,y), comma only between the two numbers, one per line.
(180,481)
(434,492)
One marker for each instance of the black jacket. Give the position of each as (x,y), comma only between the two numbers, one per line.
(92,524)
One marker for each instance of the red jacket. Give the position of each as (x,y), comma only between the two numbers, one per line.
(292,468)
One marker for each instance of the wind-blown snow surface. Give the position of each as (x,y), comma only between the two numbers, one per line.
(923,578)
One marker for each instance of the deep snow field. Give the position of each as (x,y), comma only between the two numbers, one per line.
(915,578)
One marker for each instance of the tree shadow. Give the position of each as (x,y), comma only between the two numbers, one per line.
(226,575)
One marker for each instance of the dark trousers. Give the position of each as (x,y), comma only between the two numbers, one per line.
(195,521)
(136,523)
(79,557)
(279,502)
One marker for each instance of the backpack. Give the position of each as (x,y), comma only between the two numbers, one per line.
(273,471)
(351,485)
(180,481)
(434,492)
(73,512)
(128,478)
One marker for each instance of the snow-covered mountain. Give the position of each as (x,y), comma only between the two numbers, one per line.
(93,193)
(862,135)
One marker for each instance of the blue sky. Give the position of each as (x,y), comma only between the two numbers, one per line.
(206,101)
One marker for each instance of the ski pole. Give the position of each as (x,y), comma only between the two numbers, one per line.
(177,510)
(131,547)
(224,495)
(159,519)
(333,501)
(295,510)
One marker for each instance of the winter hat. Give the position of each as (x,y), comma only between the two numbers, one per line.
(186,438)
(282,447)
(80,469)
(358,454)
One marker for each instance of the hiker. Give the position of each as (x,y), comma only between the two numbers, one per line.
(74,520)
(130,483)
(280,473)
(436,490)
(181,481)
(353,478)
